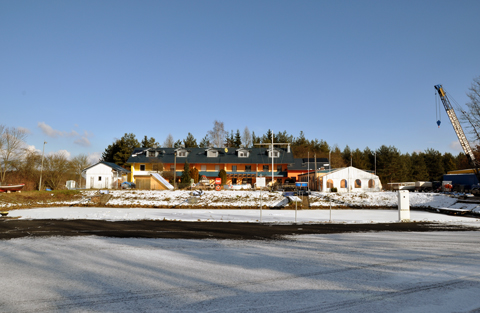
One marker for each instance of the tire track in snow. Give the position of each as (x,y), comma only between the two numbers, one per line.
(98,299)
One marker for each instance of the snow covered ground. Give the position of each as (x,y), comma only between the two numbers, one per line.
(351,272)
(355,272)
(251,216)
(251,199)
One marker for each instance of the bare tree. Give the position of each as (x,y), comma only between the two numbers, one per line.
(56,168)
(246,138)
(78,164)
(217,134)
(12,141)
(169,142)
(473,114)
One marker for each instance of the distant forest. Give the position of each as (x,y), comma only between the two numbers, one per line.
(389,163)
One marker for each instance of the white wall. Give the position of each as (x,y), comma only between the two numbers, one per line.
(100,176)
(350,174)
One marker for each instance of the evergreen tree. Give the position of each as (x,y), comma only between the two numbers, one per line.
(223,175)
(449,163)
(205,143)
(369,157)
(120,150)
(186,174)
(238,139)
(388,164)
(359,160)
(149,143)
(347,155)
(434,162)
(177,144)
(190,141)
(419,168)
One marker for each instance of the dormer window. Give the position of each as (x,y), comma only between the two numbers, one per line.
(182,153)
(151,153)
(243,154)
(273,153)
(212,153)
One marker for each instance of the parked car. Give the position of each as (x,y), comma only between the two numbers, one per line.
(128,185)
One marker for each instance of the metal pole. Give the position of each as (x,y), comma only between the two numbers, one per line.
(41,168)
(272,160)
(296,211)
(261,204)
(375,162)
(175,171)
(330,210)
(329,161)
(308,170)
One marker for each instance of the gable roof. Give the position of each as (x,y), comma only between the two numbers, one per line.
(109,164)
(302,164)
(199,155)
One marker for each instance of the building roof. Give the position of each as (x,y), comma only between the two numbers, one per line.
(109,164)
(303,164)
(199,155)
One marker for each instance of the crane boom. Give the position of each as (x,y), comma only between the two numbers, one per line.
(457,127)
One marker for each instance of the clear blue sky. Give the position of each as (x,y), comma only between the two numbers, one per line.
(79,74)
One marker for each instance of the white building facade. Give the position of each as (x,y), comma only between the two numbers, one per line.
(348,179)
(104,175)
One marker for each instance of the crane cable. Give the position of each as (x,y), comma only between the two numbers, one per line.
(438,110)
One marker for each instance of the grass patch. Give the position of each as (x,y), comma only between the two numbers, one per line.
(38,198)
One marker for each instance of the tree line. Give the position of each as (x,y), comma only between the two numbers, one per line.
(19,164)
(387,161)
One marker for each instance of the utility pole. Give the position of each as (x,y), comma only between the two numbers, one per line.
(41,168)
(272,154)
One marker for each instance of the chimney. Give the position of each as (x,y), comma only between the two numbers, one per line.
(288,148)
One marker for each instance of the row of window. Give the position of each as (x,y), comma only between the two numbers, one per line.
(357,184)
(213,153)
(203,168)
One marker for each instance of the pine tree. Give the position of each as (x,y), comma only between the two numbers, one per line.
(149,143)
(238,139)
(186,174)
(190,141)
(205,143)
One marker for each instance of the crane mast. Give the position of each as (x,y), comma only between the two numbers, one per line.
(458,128)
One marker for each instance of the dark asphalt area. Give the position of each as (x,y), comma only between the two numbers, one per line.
(14,228)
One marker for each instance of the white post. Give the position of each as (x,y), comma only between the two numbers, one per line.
(403,206)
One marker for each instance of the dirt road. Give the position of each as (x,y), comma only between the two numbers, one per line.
(11,228)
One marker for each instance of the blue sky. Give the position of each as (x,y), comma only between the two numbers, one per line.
(79,74)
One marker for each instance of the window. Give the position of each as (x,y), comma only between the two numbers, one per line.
(275,154)
(234,181)
(234,168)
(243,154)
(142,167)
(371,183)
(343,183)
(203,168)
(265,168)
(217,167)
(329,183)
(279,168)
(181,154)
(248,168)
(358,183)
(99,178)
(157,167)
(150,153)
(212,154)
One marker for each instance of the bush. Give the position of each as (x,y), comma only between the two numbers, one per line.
(334,189)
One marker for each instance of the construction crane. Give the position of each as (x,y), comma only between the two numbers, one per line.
(458,130)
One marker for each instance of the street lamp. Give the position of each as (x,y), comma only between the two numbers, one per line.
(41,168)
